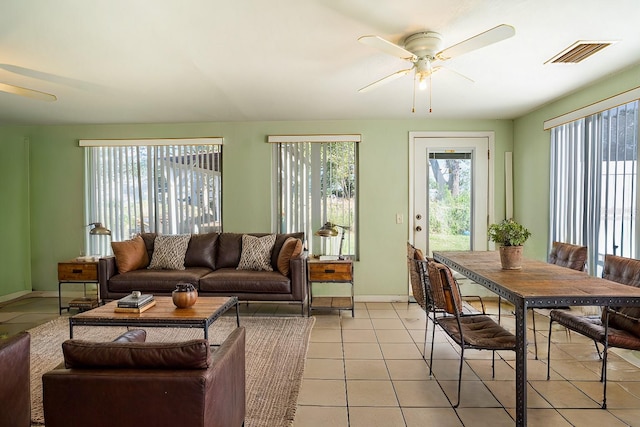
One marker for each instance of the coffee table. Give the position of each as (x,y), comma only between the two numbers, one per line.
(163,315)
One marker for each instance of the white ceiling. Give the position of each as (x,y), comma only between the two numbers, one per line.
(162,61)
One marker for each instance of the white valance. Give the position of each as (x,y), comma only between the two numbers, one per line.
(150,142)
(283,139)
(598,107)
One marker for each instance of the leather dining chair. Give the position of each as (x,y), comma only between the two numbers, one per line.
(564,255)
(616,327)
(469,330)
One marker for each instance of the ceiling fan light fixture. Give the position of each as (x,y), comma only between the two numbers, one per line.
(422,82)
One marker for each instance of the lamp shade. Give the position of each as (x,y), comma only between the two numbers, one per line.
(327,230)
(99,230)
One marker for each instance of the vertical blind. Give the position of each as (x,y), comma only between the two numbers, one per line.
(316,182)
(168,189)
(594,183)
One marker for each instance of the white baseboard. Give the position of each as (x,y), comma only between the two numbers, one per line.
(381,298)
(15,295)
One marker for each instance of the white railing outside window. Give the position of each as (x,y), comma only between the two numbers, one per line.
(170,188)
(316,181)
(594,183)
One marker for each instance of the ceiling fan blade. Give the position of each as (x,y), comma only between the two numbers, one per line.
(387,79)
(29,93)
(449,70)
(387,47)
(494,35)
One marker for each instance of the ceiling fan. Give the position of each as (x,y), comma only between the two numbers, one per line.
(29,93)
(423,49)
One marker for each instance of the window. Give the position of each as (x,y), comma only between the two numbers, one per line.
(316,181)
(163,186)
(594,183)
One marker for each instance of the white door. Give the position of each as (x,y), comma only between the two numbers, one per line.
(451,192)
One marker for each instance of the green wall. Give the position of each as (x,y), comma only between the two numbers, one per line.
(56,185)
(15,263)
(41,184)
(531,155)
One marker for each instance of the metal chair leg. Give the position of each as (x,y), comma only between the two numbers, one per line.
(460,376)
(549,351)
(604,376)
(535,339)
(493,364)
(426,330)
(433,338)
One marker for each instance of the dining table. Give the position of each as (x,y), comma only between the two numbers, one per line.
(536,284)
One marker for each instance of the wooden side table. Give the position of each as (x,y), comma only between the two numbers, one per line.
(77,271)
(338,271)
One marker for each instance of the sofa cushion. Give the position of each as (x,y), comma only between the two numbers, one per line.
(256,252)
(193,354)
(291,248)
(229,249)
(149,240)
(201,251)
(229,281)
(130,254)
(155,281)
(169,252)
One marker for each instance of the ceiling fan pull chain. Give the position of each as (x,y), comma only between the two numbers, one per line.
(430,91)
(413,105)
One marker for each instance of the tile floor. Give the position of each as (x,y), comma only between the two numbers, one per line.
(368,371)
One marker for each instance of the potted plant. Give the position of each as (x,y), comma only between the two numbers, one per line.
(510,236)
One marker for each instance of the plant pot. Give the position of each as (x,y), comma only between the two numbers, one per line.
(185,295)
(511,257)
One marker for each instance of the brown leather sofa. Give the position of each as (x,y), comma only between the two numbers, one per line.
(15,384)
(132,384)
(211,265)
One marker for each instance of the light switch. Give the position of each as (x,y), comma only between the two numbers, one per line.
(399,218)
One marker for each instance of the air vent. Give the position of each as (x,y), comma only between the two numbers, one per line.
(579,51)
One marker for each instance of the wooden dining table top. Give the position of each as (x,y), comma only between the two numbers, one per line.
(537,279)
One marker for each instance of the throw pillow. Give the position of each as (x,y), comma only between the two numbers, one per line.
(130,254)
(292,248)
(256,252)
(169,252)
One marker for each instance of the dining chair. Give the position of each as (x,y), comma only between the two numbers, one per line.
(617,327)
(564,255)
(414,253)
(469,330)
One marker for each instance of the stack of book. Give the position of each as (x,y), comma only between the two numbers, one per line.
(135,303)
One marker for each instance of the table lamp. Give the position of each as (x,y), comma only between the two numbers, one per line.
(331,230)
(99,229)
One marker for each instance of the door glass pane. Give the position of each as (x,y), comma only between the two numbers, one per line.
(449,201)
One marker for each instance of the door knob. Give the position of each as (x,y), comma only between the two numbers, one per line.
(418,229)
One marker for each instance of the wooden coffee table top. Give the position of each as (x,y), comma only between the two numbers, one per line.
(164,314)
(164,309)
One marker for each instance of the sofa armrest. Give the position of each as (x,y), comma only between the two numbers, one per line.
(106,269)
(298,271)
(213,397)
(14,390)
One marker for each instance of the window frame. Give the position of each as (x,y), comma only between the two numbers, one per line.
(179,213)
(315,244)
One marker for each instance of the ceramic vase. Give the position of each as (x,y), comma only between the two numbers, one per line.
(185,295)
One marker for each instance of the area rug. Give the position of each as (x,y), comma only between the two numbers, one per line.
(276,348)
